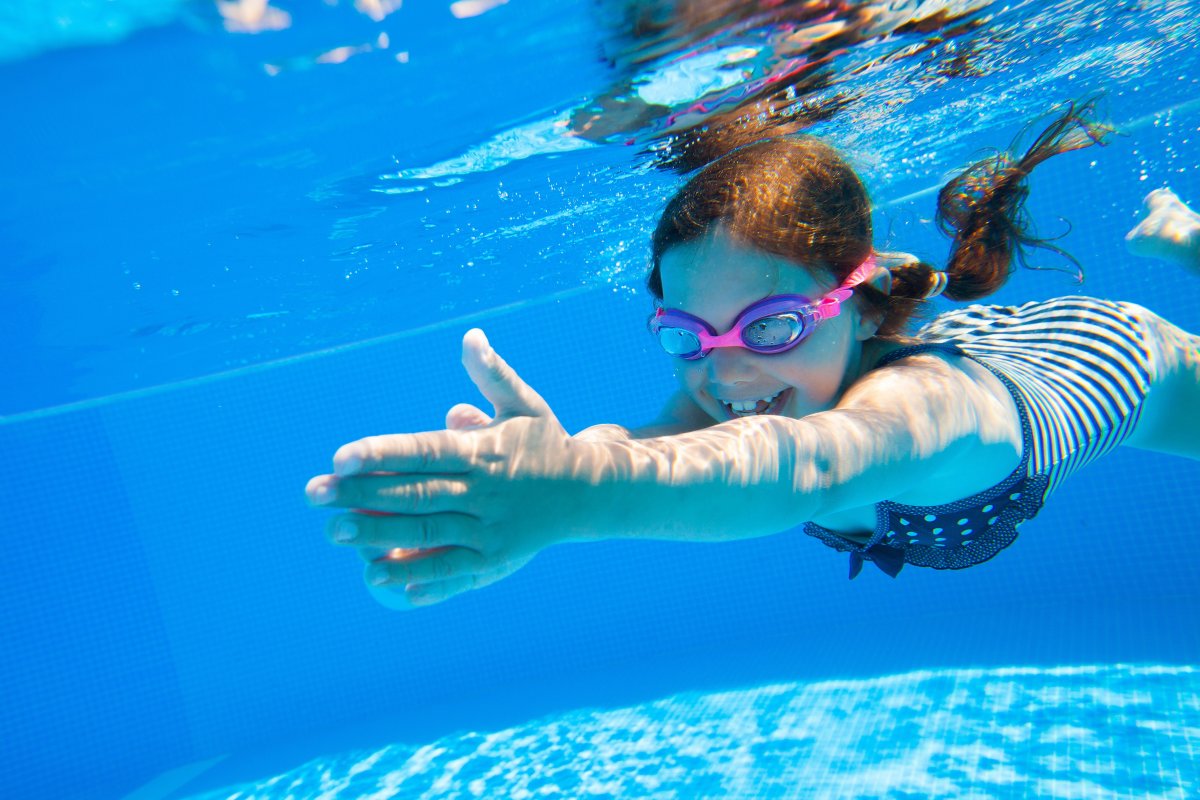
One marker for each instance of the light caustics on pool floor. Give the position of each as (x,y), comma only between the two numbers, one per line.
(1114,731)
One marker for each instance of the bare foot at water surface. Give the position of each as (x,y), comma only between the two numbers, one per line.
(1170,231)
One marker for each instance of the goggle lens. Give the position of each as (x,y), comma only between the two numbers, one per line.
(771,333)
(679,342)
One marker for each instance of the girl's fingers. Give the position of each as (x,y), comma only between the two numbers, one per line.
(426,594)
(465,417)
(399,597)
(373,554)
(390,596)
(421,531)
(393,494)
(427,566)
(434,451)
(497,381)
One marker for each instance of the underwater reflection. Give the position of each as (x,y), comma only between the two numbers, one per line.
(695,79)
(252,16)
(697,71)
(336,55)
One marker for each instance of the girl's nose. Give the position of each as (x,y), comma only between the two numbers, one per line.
(728,366)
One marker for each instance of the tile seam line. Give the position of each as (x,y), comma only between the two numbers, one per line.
(312,355)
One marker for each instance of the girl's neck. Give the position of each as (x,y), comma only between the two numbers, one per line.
(869,355)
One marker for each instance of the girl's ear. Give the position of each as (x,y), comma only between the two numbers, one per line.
(880,279)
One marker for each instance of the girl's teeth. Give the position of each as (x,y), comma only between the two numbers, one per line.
(745,406)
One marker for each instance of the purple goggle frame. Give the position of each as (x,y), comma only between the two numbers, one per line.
(772,325)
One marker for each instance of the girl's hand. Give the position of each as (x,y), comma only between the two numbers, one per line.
(440,513)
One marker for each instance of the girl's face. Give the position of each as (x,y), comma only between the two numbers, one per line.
(716,277)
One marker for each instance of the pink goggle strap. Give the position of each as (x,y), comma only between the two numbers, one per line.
(831,304)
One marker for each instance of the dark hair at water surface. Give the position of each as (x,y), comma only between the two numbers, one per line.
(798,198)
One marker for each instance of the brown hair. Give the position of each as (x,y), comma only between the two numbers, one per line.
(798,198)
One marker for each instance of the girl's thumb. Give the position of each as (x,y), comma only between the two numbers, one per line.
(497,381)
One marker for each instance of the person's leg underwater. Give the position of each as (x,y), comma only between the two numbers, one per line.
(1170,231)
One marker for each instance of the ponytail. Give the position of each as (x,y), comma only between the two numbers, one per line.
(983,208)
(795,196)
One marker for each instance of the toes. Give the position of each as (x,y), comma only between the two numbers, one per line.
(1160,198)
(1143,230)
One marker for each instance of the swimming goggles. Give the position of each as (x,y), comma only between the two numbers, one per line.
(772,325)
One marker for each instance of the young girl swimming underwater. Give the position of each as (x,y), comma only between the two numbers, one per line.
(802,402)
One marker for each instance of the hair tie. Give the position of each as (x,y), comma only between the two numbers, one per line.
(940,279)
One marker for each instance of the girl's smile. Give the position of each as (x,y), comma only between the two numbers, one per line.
(716,277)
(751,407)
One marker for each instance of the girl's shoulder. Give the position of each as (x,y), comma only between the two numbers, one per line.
(1021,330)
(1046,318)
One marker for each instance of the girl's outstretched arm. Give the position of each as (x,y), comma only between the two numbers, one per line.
(468,507)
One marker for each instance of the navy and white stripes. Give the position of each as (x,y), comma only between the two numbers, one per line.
(1082,366)
(1078,370)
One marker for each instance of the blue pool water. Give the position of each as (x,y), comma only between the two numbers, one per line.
(228,252)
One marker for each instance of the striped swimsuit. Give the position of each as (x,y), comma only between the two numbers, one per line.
(1077,368)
